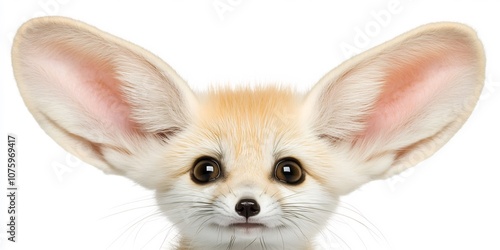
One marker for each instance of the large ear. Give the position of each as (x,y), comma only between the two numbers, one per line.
(398,103)
(101,98)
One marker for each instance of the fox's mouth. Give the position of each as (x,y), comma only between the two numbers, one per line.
(247,225)
(247,229)
(244,229)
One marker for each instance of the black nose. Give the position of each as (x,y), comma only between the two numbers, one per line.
(247,207)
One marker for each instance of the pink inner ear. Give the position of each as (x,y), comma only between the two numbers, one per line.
(407,89)
(91,85)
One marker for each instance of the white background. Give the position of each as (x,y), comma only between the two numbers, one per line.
(450,201)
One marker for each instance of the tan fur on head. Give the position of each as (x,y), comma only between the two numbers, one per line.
(247,167)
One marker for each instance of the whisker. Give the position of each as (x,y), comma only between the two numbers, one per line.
(377,232)
(168,233)
(132,225)
(156,235)
(249,244)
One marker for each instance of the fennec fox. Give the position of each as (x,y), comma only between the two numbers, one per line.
(247,168)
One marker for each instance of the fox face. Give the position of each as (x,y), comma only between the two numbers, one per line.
(252,176)
(253,168)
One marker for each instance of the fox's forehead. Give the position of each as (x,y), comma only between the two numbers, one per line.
(249,120)
(250,109)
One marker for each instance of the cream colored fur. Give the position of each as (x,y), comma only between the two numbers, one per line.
(125,111)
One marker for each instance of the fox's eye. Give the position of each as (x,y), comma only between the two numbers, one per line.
(205,170)
(288,170)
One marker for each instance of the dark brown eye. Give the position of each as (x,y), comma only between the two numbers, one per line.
(205,170)
(288,170)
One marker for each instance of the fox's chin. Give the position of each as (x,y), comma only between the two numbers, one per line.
(250,236)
